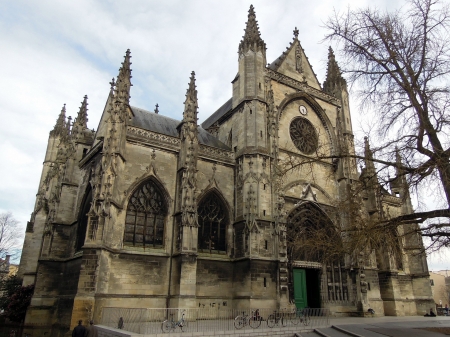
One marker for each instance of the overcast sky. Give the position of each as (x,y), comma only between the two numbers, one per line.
(55,52)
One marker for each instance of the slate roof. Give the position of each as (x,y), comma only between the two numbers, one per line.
(218,114)
(168,126)
(275,64)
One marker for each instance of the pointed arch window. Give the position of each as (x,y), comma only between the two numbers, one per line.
(146,212)
(83,219)
(213,220)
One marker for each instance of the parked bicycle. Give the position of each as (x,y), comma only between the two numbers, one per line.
(242,320)
(300,316)
(168,325)
(276,318)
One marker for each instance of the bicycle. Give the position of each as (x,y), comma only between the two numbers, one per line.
(168,325)
(242,320)
(300,316)
(275,318)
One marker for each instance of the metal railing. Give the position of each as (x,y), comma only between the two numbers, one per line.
(154,320)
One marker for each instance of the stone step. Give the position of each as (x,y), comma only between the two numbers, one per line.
(359,330)
(331,332)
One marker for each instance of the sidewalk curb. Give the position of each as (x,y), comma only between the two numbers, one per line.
(323,334)
(345,331)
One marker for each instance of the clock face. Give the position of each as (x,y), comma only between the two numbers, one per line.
(303,110)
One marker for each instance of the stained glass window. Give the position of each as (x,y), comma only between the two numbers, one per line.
(212,218)
(146,211)
(304,135)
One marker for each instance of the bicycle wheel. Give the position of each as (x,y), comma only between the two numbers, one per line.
(166,326)
(254,322)
(239,322)
(283,320)
(271,321)
(294,318)
(183,326)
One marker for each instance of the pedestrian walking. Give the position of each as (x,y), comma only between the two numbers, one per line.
(91,330)
(79,330)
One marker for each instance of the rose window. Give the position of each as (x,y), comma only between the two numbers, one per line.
(304,135)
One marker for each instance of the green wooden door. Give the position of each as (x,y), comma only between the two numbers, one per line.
(300,297)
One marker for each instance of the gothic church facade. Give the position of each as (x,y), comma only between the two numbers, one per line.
(148,211)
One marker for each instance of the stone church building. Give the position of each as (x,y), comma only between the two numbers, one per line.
(152,212)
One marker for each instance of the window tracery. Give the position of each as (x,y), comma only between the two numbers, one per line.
(304,135)
(146,211)
(212,219)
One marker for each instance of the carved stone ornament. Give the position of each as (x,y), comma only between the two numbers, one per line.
(308,194)
(298,59)
(304,135)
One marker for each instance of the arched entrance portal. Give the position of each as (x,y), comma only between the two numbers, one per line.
(314,278)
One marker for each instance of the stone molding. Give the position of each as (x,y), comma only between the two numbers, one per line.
(131,130)
(216,153)
(205,151)
(303,86)
(97,147)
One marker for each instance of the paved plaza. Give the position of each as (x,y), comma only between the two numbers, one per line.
(411,326)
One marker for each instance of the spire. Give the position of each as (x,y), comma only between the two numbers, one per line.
(252,37)
(113,86)
(80,123)
(368,160)
(125,70)
(189,156)
(367,152)
(123,83)
(156,108)
(82,114)
(400,178)
(68,124)
(334,82)
(399,185)
(370,175)
(191,103)
(398,158)
(60,123)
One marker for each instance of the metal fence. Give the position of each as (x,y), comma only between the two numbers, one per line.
(152,321)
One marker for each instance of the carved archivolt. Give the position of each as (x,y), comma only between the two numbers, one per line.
(305,185)
(317,109)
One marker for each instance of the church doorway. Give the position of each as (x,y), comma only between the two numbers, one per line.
(312,275)
(306,283)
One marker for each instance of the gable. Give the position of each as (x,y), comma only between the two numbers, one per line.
(294,63)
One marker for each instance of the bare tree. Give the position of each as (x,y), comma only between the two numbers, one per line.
(399,65)
(10,234)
